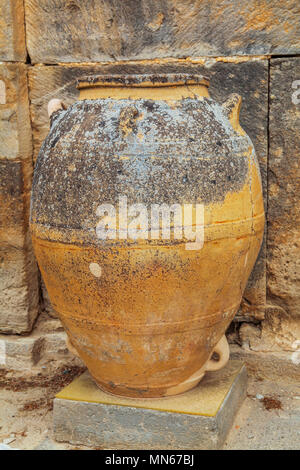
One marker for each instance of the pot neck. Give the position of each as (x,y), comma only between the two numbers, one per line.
(167,87)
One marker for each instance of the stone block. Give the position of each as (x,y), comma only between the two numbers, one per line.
(97,30)
(40,350)
(283,274)
(18,271)
(269,365)
(20,353)
(14,196)
(18,290)
(12,31)
(247,77)
(198,419)
(15,129)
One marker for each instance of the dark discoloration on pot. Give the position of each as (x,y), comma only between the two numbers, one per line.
(183,155)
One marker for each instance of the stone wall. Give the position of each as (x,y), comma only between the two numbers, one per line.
(249,47)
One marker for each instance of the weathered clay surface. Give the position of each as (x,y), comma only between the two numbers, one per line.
(247,77)
(152,295)
(265,364)
(18,271)
(283,321)
(12,31)
(75,31)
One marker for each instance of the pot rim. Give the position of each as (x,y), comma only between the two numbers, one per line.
(142,80)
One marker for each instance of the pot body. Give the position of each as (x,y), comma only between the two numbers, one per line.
(145,311)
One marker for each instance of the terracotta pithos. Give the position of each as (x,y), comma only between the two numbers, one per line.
(146,304)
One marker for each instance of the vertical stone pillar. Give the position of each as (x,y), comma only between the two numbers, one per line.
(283,314)
(18,271)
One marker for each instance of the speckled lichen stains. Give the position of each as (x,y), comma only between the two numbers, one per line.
(127,120)
(189,153)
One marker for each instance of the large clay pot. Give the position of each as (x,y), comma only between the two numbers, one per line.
(146,313)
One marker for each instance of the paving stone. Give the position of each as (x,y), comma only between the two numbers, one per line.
(47,444)
(257,428)
(15,129)
(264,365)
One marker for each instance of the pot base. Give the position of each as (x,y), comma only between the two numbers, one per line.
(127,392)
(221,349)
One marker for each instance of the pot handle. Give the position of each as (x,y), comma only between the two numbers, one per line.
(232,107)
(222,349)
(55,105)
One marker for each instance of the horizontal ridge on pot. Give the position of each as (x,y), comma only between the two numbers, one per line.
(143,80)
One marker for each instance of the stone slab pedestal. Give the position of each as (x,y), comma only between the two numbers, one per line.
(197,419)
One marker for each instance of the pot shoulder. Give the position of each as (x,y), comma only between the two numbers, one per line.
(149,151)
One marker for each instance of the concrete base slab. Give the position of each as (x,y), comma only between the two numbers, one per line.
(197,419)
